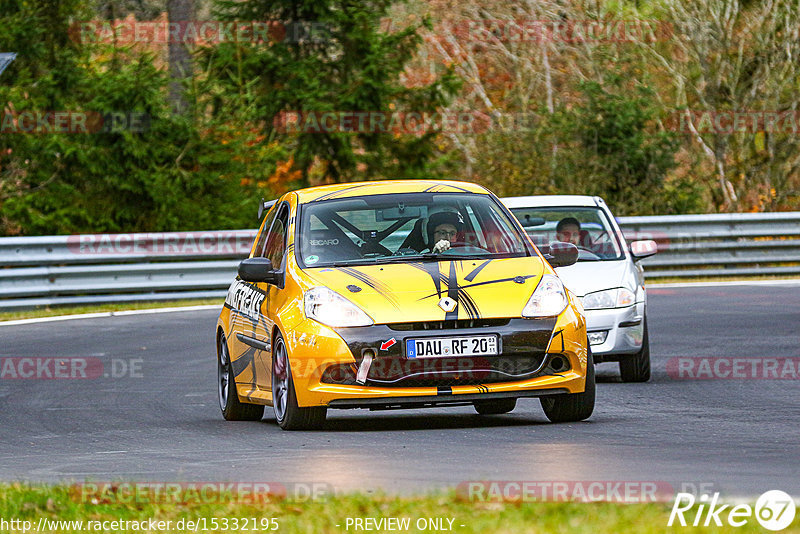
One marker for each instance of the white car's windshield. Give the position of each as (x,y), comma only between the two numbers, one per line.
(587,228)
(406,227)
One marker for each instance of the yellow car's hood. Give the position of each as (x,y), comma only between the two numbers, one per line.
(412,292)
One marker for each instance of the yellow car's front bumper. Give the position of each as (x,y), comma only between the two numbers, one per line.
(316,350)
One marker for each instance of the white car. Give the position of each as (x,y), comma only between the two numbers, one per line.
(608,276)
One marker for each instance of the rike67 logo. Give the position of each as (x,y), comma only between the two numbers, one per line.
(774,510)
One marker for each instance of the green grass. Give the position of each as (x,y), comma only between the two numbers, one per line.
(96,308)
(32,502)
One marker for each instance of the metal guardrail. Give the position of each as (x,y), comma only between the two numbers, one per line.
(738,244)
(84,269)
(98,268)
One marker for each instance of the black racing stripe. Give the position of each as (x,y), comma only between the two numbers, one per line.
(451,186)
(560,334)
(432,269)
(498,281)
(484,283)
(443,187)
(381,288)
(243,362)
(471,276)
(335,193)
(435,188)
(469,304)
(453,293)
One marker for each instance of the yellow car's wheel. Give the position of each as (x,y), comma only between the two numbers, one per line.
(284,400)
(495,407)
(232,408)
(570,407)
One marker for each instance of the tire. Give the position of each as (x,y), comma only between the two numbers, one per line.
(495,407)
(232,408)
(284,399)
(571,407)
(636,368)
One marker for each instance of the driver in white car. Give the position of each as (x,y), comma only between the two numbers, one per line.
(568,230)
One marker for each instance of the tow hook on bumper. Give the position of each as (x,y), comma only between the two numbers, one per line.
(363,369)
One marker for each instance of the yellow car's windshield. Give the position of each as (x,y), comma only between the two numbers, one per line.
(406,227)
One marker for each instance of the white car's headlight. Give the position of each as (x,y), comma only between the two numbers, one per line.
(330,308)
(609,298)
(548,300)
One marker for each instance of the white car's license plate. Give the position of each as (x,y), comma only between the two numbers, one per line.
(446,347)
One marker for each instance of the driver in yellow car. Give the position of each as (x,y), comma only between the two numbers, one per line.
(568,230)
(444,227)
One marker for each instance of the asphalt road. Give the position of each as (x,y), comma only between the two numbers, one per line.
(162,422)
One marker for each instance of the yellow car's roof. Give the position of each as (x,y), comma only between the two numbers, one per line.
(355,189)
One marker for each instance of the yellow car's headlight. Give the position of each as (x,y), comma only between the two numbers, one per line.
(548,300)
(330,308)
(609,298)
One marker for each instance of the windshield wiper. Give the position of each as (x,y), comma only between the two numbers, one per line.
(349,263)
(441,256)
(428,256)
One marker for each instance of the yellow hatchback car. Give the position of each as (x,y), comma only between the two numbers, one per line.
(399,294)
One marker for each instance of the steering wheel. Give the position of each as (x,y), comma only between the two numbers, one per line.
(586,254)
(406,251)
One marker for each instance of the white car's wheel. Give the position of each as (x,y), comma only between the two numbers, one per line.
(636,367)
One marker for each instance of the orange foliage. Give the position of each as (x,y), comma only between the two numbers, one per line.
(283,176)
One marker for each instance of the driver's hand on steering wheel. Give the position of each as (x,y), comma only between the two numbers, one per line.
(441,246)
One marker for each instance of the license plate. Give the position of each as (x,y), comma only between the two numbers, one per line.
(447,347)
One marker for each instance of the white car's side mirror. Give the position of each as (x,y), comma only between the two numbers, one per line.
(644,248)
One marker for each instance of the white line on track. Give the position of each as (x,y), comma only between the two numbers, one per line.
(793,282)
(111,314)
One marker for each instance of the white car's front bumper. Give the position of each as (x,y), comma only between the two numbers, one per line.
(624,328)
